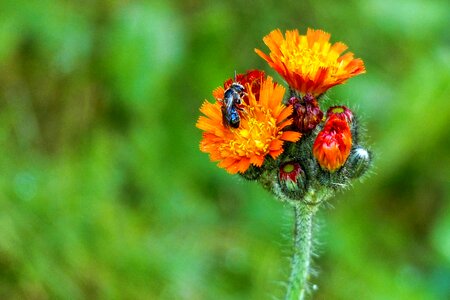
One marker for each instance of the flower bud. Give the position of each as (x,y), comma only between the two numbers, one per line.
(292,179)
(342,112)
(333,144)
(358,162)
(306,114)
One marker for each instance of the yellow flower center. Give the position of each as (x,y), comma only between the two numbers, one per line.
(258,129)
(302,59)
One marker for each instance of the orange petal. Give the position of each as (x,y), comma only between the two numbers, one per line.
(291,136)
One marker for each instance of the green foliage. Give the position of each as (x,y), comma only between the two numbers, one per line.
(105,195)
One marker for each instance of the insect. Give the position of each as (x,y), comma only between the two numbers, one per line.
(231,99)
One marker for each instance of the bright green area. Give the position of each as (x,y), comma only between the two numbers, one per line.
(104,193)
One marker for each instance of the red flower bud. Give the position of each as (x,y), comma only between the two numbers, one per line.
(342,112)
(292,178)
(333,144)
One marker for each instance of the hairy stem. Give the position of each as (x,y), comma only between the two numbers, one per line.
(301,257)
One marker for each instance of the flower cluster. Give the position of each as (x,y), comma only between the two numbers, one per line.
(256,129)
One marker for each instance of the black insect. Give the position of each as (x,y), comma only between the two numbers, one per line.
(231,99)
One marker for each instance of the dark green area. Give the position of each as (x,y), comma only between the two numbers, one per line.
(104,193)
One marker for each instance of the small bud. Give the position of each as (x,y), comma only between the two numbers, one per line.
(333,144)
(307,114)
(358,162)
(292,179)
(342,112)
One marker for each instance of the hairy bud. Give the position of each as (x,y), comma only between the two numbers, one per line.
(342,112)
(292,179)
(333,144)
(358,162)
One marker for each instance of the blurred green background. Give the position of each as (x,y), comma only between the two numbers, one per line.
(104,193)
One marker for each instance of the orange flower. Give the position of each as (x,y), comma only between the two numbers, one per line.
(309,63)
(333,144)
(260,132)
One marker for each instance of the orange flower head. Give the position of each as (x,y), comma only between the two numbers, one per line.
(310,63)
(333,144)
(260,133)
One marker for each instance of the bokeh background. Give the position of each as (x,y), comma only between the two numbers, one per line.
(104,193)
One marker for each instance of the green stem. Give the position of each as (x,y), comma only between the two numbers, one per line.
(301,257)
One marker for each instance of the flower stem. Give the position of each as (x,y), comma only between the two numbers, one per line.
(301,257)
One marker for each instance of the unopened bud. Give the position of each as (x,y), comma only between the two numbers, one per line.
(333,144)
(292,179)
(358,162)
(342,112)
